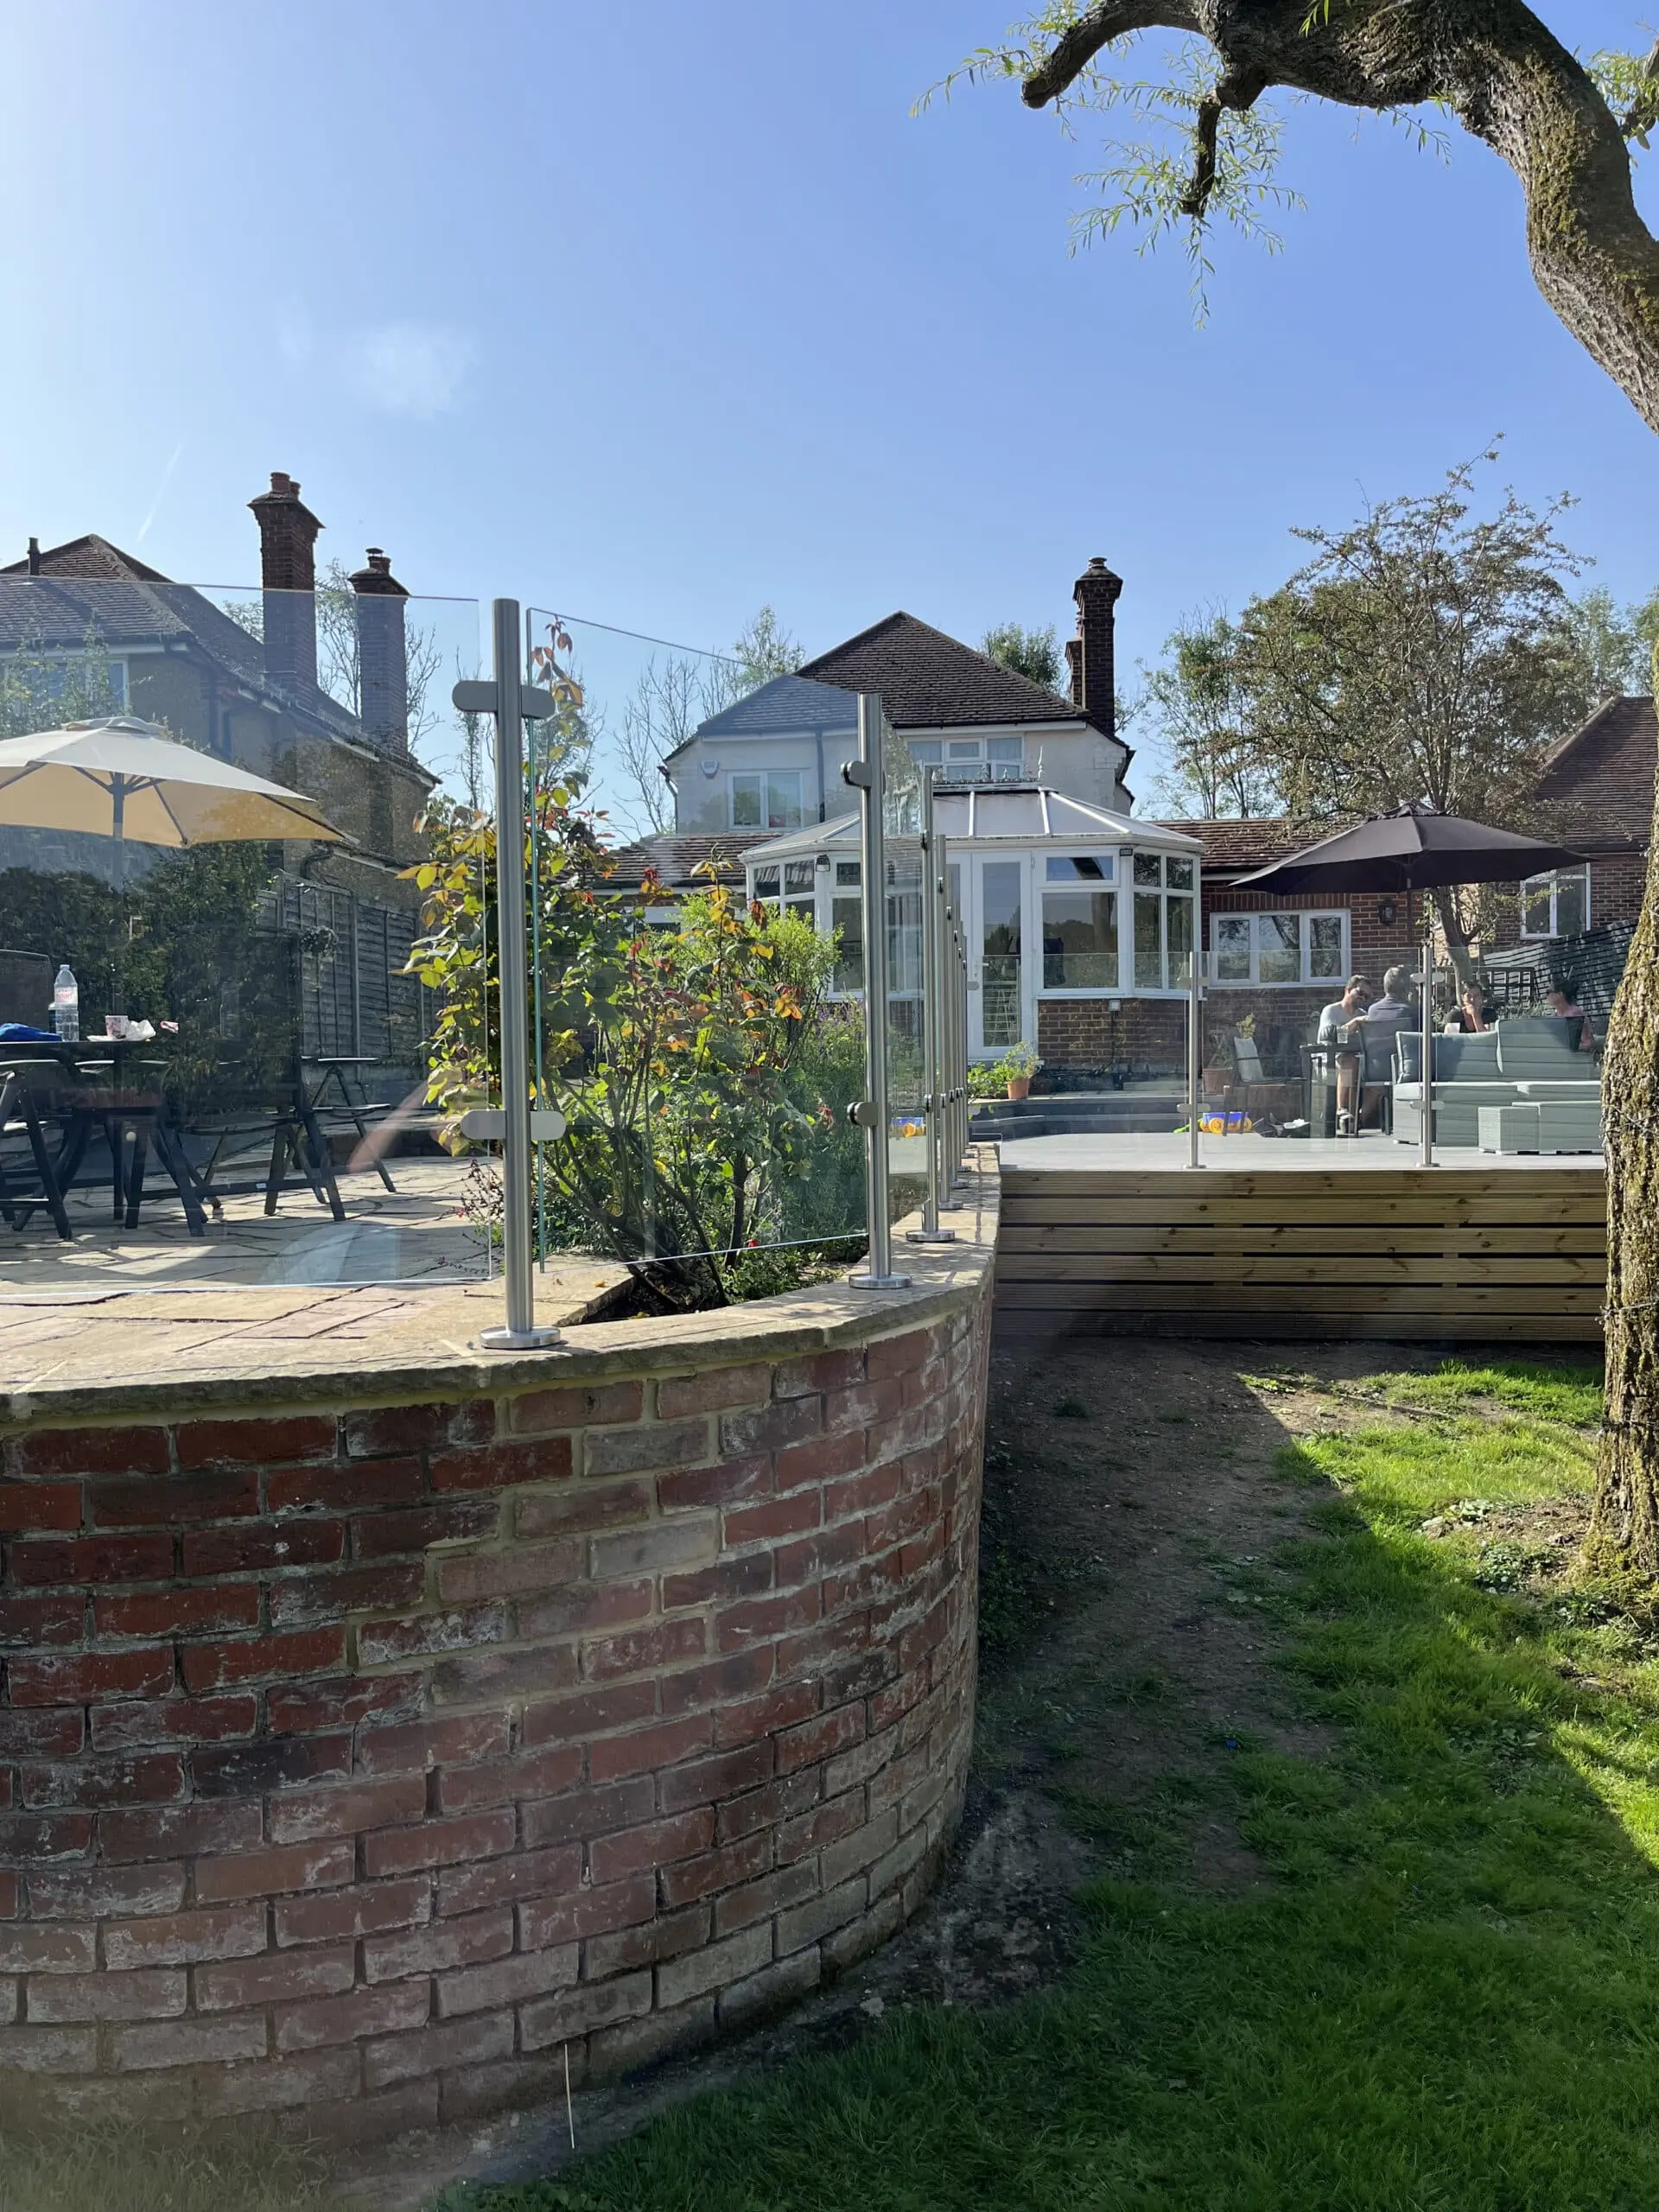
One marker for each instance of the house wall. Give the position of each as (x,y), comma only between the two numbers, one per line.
(702,803)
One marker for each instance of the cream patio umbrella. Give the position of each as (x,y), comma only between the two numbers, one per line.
(125,779)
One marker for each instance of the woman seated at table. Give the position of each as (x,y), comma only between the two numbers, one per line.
(1563,1002)
(1475,1013)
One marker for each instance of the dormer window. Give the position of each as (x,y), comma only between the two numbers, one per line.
(972,760)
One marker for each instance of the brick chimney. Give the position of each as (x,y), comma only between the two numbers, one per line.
(1090,655)
(288,570)
(382,655)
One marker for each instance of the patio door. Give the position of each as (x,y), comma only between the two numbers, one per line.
(996,977)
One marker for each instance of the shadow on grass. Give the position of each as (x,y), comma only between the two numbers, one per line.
(1447,1996)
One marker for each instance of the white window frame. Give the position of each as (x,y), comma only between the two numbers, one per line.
(59,664)
(1046,886)
(1131,888)
(1308,980)
(1553,877)
(765,778)
(968,759)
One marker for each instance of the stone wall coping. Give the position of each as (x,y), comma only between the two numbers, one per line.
(420,1344)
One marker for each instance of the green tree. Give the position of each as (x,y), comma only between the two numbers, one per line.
(1033,653)
(763,649)
(1200,708)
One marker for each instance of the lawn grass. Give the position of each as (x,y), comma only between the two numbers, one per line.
(1444,1996)
(110,2169)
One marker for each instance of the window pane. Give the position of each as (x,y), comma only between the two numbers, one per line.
(799,875)
(847,916)
(1325,945)
(1148,940)
(904,943)
(765,883)
(1005,748)
(850,872)
(746,803)
(1148,867)
(1177,921)
(1281,939)
(1570,903)
(782,802)
(1081,868)
(1230,935)
(1179,874)
(1000,883)
(1536,918)
(925,752)
(965,748)
(1079,941)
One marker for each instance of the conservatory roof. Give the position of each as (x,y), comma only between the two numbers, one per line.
(1020,814)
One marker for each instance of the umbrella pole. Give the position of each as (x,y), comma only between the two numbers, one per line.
(1427,1062)
(123,924)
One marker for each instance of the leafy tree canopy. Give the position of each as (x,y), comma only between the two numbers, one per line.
(1034,653)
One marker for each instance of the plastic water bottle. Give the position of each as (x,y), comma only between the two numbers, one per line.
(65,1005)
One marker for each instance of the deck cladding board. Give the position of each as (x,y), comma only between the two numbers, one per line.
(1513,1253)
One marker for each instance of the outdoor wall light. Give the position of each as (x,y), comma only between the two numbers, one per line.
(1386,910)
(823,861)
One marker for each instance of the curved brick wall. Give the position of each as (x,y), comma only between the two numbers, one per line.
(359,1755)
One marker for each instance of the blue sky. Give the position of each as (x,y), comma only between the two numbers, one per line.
(654,312)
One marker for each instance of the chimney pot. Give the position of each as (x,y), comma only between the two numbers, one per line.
(34,557)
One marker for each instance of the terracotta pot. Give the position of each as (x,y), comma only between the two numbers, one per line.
(1019,1086)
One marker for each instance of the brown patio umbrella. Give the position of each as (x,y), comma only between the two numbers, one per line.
(1413,849)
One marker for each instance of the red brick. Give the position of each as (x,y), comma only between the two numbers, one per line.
(858,1678)
(824,1459)
(520,1875)
(567,2018)
(582,1506)
(27,1507)
(715,1870)
(821,1738)
(342,1916)
(567,1612)
(714,1392)
(438,1843)
(437,2049)
(416,1529)
(720,1680)
(642,1649)
(768,1428)
(743,1624)
(299,1709)
(763,1716)
(511,1675)
(469,1575)
(28,1622)
(819,1651)
(856,1408)
(655,1844)
(583,1814)
(276,1978)
(774,1892)
(422,1633)
(538,1411)
(165,1831)
(178,1611)
(186,2042)
(860,1493)
(818,1555)
(86,1675)
(261,1443)
(90,1893)
(711,1586)
(304,1651)
(90,1451)
(264,1544)
(727,1482)
(667,1935)
(385,1432)
(565,1912)
(33,1839)
(84,1561)
(529,1973)
(777,1800)
(865,1580)
(465,1941)
(496,1466)
(178,1939)
(316,2081)
(269,1873)
(10,1896)
(335,1489)
(152,1778)
(350,2018)
(49,1732)
(824,1370)
(896,1355)
(777,1517)
(679,1543)
(47,1949)
(658,1444)
(539,1774)
(567,1720)
(206,1495)
(159,1993)
(728,1962)
(420,1745)
(891,1704)
(330,1594)
(57,2050)
(727,1774)
(644,1749)
(251,1769)
(345,1810)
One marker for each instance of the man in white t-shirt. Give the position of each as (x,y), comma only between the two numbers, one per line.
(1335,1021)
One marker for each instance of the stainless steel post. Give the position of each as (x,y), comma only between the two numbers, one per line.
(1428,1049)
(1194,1057)
(866,775)
(935,1079)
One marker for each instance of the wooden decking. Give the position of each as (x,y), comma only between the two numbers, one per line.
(1396,1251)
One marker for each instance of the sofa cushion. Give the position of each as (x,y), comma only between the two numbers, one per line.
(1541,1044)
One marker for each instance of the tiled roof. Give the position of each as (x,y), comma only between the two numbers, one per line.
(677,859)
(1600,777)
(930,681)
(1235,846)
(786,703)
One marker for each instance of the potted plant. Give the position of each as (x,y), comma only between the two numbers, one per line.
(1017,1067)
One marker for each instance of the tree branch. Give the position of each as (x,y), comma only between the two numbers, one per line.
(1071,54)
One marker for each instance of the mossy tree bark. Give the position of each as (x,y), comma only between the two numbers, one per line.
(1514,85)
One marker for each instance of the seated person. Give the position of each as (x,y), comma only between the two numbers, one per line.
(1475,1013)
(1564,1000)
(1334,1020)
(1394,1010)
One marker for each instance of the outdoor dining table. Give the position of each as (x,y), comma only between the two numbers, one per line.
(132,1118)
